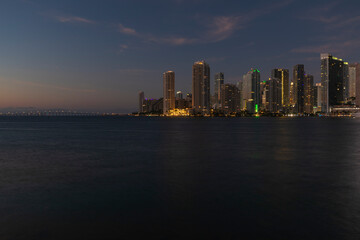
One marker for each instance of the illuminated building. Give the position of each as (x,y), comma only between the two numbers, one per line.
(334,78)
(219,81)
(201,87)
(283,76)
(309,94)
(299,78)
(292,100)
(169,91)
(141,102)
(317,97)
(242,103)
(265,96)
(251,90)
(354,81)
(356,67)
(230,98)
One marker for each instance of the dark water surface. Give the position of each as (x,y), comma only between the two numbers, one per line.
(158,178)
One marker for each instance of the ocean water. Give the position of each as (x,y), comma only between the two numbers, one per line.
(179,178)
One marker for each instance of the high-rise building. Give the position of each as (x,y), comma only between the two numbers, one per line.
(283,76)
(242,103)
(219,81)
(201,87)
(141,101)
(299,78)
(318,97)
(230,98)
(169,91)
(251,90)
(357,82)
(334,80)
(275,95)
(292,94)
(354,82)
(309,94)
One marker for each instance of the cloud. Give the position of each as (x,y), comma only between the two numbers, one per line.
(127,30)
(219,29)
(73,19)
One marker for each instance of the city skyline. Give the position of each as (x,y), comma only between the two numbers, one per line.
(62,55)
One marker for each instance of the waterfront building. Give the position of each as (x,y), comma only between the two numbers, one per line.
(141,101)
(169,91)
(354,82)
(274,95)
(309,94)
(283,76)
(230,98)
(299,78)
(292,99)
(334,81)
(201,87)
(219,81)
(251,90)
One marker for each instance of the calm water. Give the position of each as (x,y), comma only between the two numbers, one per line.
(124,178)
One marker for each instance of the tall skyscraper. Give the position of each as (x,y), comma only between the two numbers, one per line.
(251,90)
(275,95)
(334,79)
(309,94)
(354,81)
(201,87)
(292,94)
(169,91)
(283,76)
(219,81)
(356,69)
(230,98)
(299,78)
(319,99)
(141,101)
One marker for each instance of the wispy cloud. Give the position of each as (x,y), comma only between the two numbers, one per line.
(73,19)
(219,29)
(339,33)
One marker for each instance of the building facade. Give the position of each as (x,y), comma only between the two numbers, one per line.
(309,94)
(251,90)
(334,81)
(230,98)
(169,91)
(219,81)
(283,76)
(299,78)
(201,87)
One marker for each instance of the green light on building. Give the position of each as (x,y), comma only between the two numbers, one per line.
(256,108)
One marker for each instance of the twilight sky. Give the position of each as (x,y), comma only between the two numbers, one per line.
(97,54)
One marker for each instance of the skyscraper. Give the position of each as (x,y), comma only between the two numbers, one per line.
(251,90)
(141,102)
(169,91)
(230,98)
(354,81)
(334,74)
(219,81)
(201,87)
(275,95)
(283,76)
(299,78)
(357,82)
(309,94)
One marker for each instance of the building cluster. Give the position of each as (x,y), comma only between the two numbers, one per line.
(279,95)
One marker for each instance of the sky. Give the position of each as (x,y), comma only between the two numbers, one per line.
(96,55)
